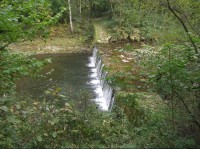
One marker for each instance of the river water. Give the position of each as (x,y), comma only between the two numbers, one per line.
(72,73)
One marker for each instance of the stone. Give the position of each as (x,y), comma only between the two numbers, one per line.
(125,35)
(125,61)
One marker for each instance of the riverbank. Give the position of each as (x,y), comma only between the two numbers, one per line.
(60,41)
(122,61)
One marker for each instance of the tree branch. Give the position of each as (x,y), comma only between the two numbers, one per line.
(183,25)
(2,48)
(186,18)
(188,110)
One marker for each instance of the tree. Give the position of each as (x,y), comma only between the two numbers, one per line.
(19,21)
(24,20)
(178,12)
(70,17)
(174,72)
(80,9)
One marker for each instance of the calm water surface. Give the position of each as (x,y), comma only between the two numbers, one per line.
(71,73)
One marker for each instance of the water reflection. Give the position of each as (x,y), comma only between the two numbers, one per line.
(71,73)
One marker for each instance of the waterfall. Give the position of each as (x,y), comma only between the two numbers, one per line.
(105,95)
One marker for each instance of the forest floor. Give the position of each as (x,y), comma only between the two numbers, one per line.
(60,41)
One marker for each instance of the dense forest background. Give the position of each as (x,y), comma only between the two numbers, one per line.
(170,31)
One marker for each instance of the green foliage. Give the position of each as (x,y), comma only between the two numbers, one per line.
(175,66)
(157,132)
(24,20)
(57,6)
(121,80)
(150,122)
(128,102)
(154,20)
(54,123)
(85,31)
(128,17)
(15,66)
(19,21)
(99,7)
(174,73)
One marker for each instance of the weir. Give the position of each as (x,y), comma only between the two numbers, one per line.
(105,94)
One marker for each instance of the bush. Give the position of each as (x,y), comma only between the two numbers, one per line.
(15,66)
(174,73)
(55,123)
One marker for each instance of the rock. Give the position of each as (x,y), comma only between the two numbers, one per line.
(125,35)
(135,35)
(129,58)
(133,38)
(125,61)
(142,39)
(133,70)
(113,39)
(53,48)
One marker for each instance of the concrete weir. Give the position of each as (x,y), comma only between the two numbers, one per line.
(105,94)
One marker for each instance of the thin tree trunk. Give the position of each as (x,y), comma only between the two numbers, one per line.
(186,18)
(112,9)
(80,10)
(187,109)
(70,17)
(140,19)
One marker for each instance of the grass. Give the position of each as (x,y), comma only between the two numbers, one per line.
(60,41)
(101,31)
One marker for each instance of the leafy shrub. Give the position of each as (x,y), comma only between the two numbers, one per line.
(174,73)
(15,66)
(55,123)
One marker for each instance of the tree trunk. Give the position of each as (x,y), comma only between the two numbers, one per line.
(80,10)
(111,7)
(70,17)
(140,19)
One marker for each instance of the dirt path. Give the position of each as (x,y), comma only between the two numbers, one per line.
(101,32)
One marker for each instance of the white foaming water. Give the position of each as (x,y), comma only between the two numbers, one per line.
(103,90)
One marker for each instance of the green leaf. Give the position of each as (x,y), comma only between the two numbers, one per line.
(54,121)
(75,131)
(62,96)
(4,108)
(47,92)
(54,134)
(13,119)
(39,138)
